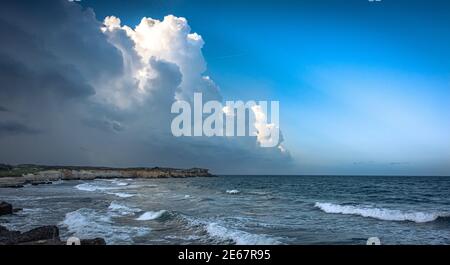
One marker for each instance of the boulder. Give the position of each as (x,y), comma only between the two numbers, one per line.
(5,208)
(8,237)
(93,242)
(44,235)
(48,242)
(50,232)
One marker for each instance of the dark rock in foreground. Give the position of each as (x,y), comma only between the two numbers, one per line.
(93,242)
(5,208)
(40,233)
(44,235)
(8,237)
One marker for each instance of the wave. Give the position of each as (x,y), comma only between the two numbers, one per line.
(237,236)
(380,213)
(150,215)
(121,194)
(91,187)
(118,183)
(215,231)
(89,223)
(184,238)
(108,190)
(121,209)
(232,191)
(86,187)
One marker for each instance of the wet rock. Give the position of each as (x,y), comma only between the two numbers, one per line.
(8,237)
(50,242)
(5,208)
(41,233)
(44,235)
(93,242)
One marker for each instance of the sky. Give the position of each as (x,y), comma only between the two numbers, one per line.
(364,87)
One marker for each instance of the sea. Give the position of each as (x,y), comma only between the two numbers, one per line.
(243,210)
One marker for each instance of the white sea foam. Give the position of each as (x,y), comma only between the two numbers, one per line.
(57,182)
(89,223)
(237,236)
(86,187)
(185,238)
(121,194)
(380,213)
(120,183)
(233,191)
(121,209)
(92,187)
(150,215)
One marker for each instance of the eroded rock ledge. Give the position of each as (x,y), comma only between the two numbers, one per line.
(17,176)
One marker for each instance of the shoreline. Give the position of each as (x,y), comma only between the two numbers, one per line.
(19,176)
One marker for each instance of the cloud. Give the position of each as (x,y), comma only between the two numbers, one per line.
(11,127)
(99,93)
(169,40)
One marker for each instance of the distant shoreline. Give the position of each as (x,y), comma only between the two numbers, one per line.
(20,175)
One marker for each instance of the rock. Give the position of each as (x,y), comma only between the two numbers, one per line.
(35,183)
(44,235)
(50,242)
(93,242)
(15,210)
(5,208)
(8,237)
(47,174)
(41,233)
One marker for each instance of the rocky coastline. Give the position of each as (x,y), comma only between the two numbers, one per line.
(18,176)
(21,175)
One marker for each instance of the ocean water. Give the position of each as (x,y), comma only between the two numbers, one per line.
(244,210)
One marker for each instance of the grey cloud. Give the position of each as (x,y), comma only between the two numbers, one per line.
(105,124)
(58,76)
(14,128)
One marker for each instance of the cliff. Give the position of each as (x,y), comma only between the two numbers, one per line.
(17,176)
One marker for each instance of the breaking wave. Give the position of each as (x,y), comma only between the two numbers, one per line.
(237,236)
(89,223)
(150,215)
(91,187)
(380,213)
(121,194)
(121,209)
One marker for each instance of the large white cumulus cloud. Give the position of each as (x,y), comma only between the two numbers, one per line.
(169,40)
(78,91)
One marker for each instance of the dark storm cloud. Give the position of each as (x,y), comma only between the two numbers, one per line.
(14,128)
(69,96)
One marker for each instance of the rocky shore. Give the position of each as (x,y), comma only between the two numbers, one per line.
(18,176)
(44,235)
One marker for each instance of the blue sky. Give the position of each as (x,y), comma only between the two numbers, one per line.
(364,88)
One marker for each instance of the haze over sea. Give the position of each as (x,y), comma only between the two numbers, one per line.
(241,209)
